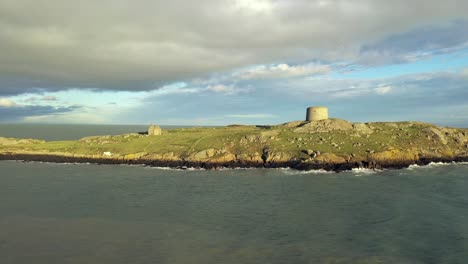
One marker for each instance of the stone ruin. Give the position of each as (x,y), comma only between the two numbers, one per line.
(154,130)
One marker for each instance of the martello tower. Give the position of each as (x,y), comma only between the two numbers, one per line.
(316,113)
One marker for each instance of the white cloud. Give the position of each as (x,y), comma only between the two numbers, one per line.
(4,102)
(228,89)
(283,71)
(183,88)
(349,92)
(174,88)
(220,88)
(255,6)
(383,90)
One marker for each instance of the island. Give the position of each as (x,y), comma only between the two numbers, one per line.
(318,142)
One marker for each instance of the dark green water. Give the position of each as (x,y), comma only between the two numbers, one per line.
(58,213)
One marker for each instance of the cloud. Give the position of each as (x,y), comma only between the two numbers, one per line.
(49,98)
(7,103)
(227,89)
(34,99)
(273,101)
(183,89)
(12,111)
(417,43)
(291,92)
(349,92)
(283,71)
(180,88)
(18,113)
(383,90)
(255,6)
(103,44)
(220,88)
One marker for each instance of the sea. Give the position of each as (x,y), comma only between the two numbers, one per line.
(57,132)
(85,213)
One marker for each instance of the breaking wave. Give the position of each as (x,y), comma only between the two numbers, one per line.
(435,164)
(364,171)
(289,171)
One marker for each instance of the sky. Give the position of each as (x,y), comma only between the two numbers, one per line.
(220,62)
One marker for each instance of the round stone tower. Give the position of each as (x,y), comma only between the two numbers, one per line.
(316,113)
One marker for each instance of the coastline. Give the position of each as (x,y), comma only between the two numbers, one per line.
(185,164)
(330,145)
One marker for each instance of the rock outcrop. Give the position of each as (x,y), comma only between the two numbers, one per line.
(203,155)
(330,158)
(362,128)
(324,126)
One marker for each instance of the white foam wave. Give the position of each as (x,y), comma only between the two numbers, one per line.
(359,172)
(201,169)
(55,163)
(174,169)
(289,171)
(435,164)
(236,168)
(365,170)
(413,166)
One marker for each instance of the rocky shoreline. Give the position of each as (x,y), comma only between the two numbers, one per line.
(184,164)
(332,145)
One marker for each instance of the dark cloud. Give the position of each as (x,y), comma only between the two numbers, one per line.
(17,113)
(142,44)
(421,42)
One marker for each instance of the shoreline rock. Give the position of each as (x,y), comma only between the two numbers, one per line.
(181,164)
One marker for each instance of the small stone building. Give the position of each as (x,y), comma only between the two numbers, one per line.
(316,113)
(154,130)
